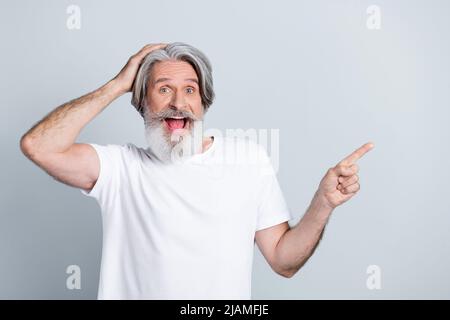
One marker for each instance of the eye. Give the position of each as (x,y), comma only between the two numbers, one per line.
(164,89)
(191,90)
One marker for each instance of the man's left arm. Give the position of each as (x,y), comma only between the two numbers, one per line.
(287,249)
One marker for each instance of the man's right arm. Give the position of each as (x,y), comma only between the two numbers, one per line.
(51,142)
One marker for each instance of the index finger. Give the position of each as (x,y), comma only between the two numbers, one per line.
(358,153)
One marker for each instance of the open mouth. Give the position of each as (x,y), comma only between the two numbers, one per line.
(175,123)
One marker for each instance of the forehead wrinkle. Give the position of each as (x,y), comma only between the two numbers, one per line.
(163,71)
(169,79)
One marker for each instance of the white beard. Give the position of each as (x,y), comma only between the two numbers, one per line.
(172,147)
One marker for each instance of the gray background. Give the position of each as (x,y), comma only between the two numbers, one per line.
(312,69)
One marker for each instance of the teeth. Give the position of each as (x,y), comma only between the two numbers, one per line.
(176,117)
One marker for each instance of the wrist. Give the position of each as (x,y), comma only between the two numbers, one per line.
(114,87)
(322,205)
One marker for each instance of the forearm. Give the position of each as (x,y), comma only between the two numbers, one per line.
(298,244)
(57,131)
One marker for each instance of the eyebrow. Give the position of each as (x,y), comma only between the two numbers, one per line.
(165,79)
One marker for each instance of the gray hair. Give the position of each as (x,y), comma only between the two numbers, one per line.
(174,51)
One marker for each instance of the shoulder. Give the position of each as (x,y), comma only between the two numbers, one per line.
(126,152)
(245,149)
(237,141)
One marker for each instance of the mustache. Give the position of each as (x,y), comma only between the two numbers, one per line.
(170,113)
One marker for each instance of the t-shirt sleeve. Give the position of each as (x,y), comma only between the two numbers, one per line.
(110,158)
(272,207)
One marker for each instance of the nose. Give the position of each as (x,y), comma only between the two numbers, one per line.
(177,101)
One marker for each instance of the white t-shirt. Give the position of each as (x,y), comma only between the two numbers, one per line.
(184,230)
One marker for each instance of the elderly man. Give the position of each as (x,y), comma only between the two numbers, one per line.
(179,222)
